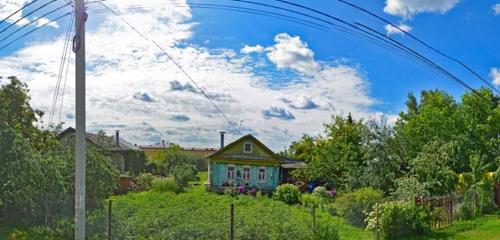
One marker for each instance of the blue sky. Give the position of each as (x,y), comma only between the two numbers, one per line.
(271,77)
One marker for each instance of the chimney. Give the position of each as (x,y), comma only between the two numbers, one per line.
(222,139)
(117,138)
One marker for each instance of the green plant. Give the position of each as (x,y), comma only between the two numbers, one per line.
(408,188)
(397,219)
(183,174)
(355,206)
(165,185)
(325,230)
(144,180)
(287,193)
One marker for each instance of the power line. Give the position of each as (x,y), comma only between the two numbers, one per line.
(34,21)
(391,41)
(26,15)
(35,29)
(170,57)
(18,10)
(60,72)
(421,42)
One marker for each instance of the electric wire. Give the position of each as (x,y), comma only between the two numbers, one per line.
(35,29)
(66,74)
(173,60)
(26,15)
(421,42)
(62,63)
(33,21)
(18,10)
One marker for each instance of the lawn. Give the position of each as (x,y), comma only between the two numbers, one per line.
(484,228)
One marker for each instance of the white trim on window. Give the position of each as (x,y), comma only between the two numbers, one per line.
(262,174)
(230,172)
(246,173)
(245,150)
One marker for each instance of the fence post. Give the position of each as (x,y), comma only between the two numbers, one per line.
(377,228)
(110,211)
(231,229)
(313,213)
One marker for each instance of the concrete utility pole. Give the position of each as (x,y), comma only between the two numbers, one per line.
(80,152)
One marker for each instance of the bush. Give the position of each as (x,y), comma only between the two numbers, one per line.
(320,192)
(324,230)
(355,206)
(183,174)
(398,219)
(287,193)
(165,185)
(408,188)
(144,180)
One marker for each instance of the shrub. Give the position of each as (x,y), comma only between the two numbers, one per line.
(165,185)
(408,188)
(398,219)
(184,173)
(355,206)
(325,230)
(144,180)
(287,193)
(320,192)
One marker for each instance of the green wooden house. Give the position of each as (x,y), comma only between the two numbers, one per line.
(246,161)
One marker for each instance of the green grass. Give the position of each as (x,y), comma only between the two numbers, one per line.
(483,228)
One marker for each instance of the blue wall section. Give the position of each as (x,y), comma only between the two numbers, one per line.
(219,176)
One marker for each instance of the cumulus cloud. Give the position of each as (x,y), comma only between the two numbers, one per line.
(409,8)
(302,102)
(144,96)
(9,6)
(129,66)
(495,76)
(278,112)
(178,86)
(180,118)
(291,52)
(496,9)
(393,30)
(251,49)
(49,23)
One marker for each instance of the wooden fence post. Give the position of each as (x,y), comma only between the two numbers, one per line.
(110,211)
(231,229)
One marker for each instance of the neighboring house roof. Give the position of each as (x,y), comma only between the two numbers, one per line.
(292,163)
(106,142)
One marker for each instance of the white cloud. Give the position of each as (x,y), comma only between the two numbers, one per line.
(496,9)
(7,7)
(495,76)
(393,30)
(291,52)
(43,21)
(249,49)
(131,85)
(409,8)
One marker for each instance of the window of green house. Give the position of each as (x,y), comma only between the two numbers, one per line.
(246,173)
(247,147)
(230,172)
(262,174)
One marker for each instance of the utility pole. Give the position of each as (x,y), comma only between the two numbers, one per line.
(80,148)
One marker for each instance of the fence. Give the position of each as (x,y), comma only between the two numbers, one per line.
(440,209)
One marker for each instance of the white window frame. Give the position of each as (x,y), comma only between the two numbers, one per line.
(264,179)
(245,147)
(232,175)
(243,176)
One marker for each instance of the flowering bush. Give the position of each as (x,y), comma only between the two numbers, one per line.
(287,193)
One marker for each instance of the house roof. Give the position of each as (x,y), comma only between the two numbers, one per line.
(106,142)
(239,156)
(292,163)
